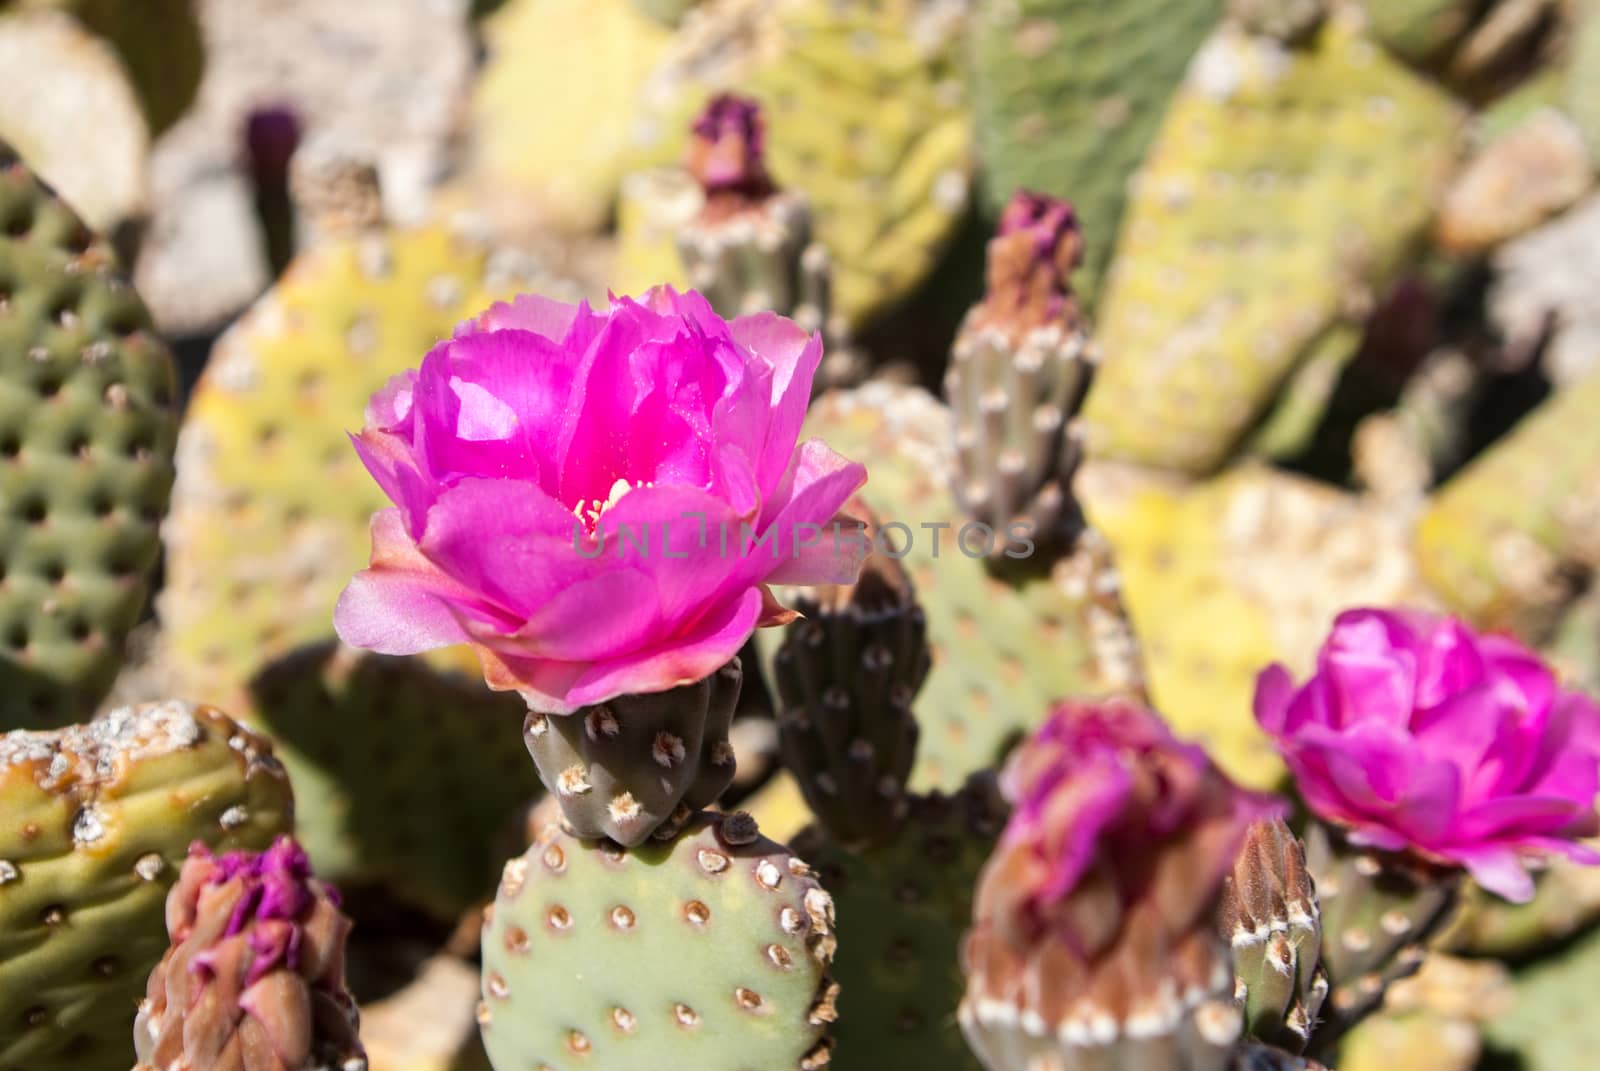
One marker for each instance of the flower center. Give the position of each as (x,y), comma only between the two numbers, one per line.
(590,511)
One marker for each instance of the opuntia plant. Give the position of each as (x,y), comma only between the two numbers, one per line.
(692,509)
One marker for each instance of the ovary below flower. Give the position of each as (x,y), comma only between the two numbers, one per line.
(597,500)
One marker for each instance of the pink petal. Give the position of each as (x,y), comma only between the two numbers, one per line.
(1499,870)
(529,312)
(715,640)
(1274,692)
(508,540)
(819,483)
(394,466)
(691,554)
(390,408)
(492,405)
(1450,663)
(403,603)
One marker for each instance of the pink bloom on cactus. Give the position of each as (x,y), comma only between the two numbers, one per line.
(1417,734)
(596,500)
(1105,797)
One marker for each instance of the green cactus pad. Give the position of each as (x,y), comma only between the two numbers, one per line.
(708,951)
(87,424)
(864,115)
(403,772)
(1003,649)
(1285,188)
(1502,540)
(1421,30)
(270,521)
(1068,94)
(903,908)
(95,821)
(1551,1025)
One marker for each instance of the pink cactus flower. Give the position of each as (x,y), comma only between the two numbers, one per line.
(1095,918)
(1417,734)
(1100,791)
(596,500)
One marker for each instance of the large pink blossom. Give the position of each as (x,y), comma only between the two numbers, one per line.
(1415,733)
(1106,799)
(596,500)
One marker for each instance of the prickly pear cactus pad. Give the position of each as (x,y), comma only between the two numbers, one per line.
(271,506)
(1550,1026)
(95,821)
(269,522)
(1002,648)
(1285,186)
(158,42)
(864,114)
(402,771)
(903,908)
(1504,541)
(709,950)
(1224,577)
(568,155)
(87,425)
(1067,95)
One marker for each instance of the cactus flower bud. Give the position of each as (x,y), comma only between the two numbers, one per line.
(1019,370)
(846,676)
(1094,942)
(1269,914)
(254,980)
(726,154)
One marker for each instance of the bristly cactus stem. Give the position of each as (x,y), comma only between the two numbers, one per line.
(636,766)
(846,676)
(1379,909)
(1019,371)
(750,248)
(1271,917)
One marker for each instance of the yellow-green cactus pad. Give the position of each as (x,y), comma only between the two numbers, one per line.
(1225,577)
(87,423)
(864,115)
(95,821)
(554,108)
(270,521)
(1285,187)
(271,508)
(1501,541)
(1067,96)
(1003,648)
